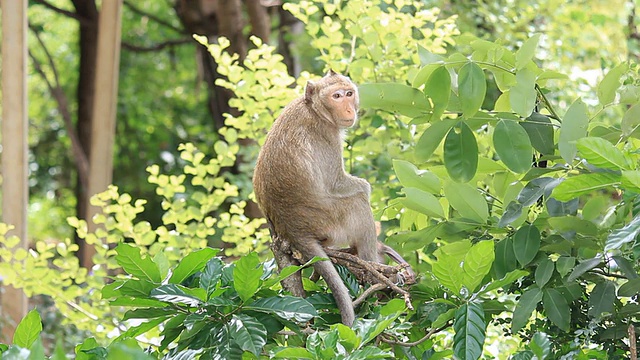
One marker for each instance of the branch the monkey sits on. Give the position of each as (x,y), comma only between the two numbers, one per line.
(302,187)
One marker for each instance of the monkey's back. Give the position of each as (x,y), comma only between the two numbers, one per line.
(288,178)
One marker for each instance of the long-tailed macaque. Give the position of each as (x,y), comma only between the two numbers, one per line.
(302,187)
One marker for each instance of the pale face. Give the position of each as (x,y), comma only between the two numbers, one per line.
(343,103)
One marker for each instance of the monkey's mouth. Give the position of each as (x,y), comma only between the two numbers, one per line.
(347,122)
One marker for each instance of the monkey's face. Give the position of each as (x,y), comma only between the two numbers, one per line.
(343,105)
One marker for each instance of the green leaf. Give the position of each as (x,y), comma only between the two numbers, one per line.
(526,243)
(143,268)
(191,264)
(610,83)
(58,352)
(410,176)
(432,137)
(601,153)
(477,264)
(149,313)
(513,146)
(540,132)
(28,330)
(293,353)
(602,298)
(522,96)
(631,180)
(565,264)
(508,279)
(427,57)
(286,307)
(469,327)
(564,224)
(574,127)
(248,333)
(472,88)
(540,345)
(511,214)
(467,200)
(584,184)
(535,189)
(142,328)
(246,276)
(622,236)
(87,344)
(15,352)
(422,202)
(544,271)
(526,51)
(524,308)
(211,275)
(174,294)
(557,309)
(447,268)
(394,97)
(630,120)
(505,258)
(630,288)
(36,351)
(626,267)
(461,153)
(438,88)
(583,267)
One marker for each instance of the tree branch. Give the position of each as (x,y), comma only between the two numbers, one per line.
(156,47)
(63,106)
(153,17)
(64,12)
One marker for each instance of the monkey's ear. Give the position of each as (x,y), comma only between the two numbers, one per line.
(309,90)
(331,73)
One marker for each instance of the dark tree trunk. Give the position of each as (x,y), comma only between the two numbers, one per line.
(87,10)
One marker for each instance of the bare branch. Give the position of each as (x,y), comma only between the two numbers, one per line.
(63,106)
(417,342)
(156,47)
(64,12)
(153,17)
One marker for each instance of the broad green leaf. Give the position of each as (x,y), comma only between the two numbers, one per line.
(583,267)
(143,268)
(467,200)
(540,131)
(508,279)
(472,88)
(422,202)
(58,352)
(523,355)
(191,264)
(505,258)
(631,120)
(540,345)
(371,352)
(610,83)
(249,334)
(448,266)
(596,206)
(565,264)
(174,294)
(87,344)
(286,307)
(477,264)
(141,328)
(461,153)
(149,313)
(526,243)
(410,176)
(211,275)
(578,185)
(513,146)
(574,127)
(28,330)
(557,309)
(524,308)
(601,153)
(526,51)
(469,327)
(535,189)
(522,96)
(622,236)
(631,180)
(630,288)
(427,57)
(626,267)
(348,338)
(543,272)
(370,329)
(510,214)
(246,276)
(602,298)
(293,353)
(438,88)
(36,351)
(432,137)
(394,97)
(423,75)
(564,224)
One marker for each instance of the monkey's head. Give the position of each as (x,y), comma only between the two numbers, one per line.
(333,98)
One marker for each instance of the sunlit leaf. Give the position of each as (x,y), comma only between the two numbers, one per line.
(601,153)
(432,137)
(438,88)
(622,236)
(472,87)
(610,83)
(28,330)
(584,184)
(631,120)
(192,263)
(522,96)
(144,268)
(541,345)
(574,127)
(423,202)
(410,176)
(246,276)
(467,200)
(513,146)
(394,97)
(526,51)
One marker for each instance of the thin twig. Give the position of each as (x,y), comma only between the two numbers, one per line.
(156,47)
(365,294)
(417,342)
(633,349)
(153,17)
(64,12)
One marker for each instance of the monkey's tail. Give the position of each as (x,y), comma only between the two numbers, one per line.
(330,275)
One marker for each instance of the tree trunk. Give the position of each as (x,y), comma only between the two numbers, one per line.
(87,10)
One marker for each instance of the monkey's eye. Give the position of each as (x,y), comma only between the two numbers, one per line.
(349,93)
(336,95)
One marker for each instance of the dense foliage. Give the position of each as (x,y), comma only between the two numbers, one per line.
(516,202)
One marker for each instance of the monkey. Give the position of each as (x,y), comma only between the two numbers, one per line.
(302,188)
